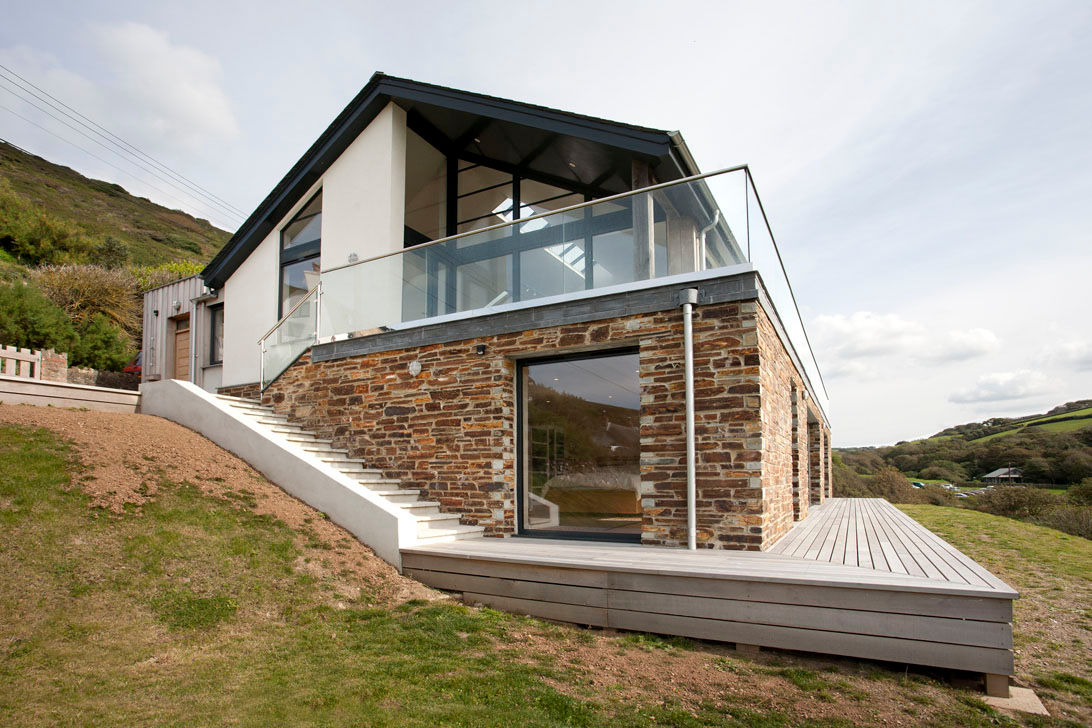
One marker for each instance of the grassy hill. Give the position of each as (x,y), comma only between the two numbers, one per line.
(152,233)
(1063,418)
(153,579)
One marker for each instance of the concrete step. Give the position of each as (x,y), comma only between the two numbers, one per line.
(275,420)
(287,429)
(399,495)
(456,533)
(422,508)
(376,482)
(244,400)
(308,438)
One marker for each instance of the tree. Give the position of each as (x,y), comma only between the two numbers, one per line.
(1075,466)
(29,319)
(86,290)
(111,253)
(101,345)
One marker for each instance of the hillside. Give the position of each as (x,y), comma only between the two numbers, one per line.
(1063,418)
(99,210)
(1053,448)
(152,578)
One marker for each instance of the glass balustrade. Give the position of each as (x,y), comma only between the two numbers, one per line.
(711,223)
(592,247)
(293,335)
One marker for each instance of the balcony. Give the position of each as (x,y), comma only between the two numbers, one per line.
(706,226)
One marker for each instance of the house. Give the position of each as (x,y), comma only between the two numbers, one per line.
(183,334)
(1004,475)
(543,360)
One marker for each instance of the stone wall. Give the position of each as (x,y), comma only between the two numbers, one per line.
(801,496)
(450,430)
(818,446)
(246,391)
(54,366)
(97,378)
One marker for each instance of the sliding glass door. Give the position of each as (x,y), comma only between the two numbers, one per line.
(580,473)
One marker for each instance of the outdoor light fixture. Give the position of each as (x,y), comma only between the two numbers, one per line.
(480,349)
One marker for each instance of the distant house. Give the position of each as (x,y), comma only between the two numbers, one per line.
(1004,475)
(183,334)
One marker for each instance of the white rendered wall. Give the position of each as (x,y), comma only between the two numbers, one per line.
(363,211)
(250,308)
(363,214)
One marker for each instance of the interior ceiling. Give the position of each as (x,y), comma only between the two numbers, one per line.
(579,162)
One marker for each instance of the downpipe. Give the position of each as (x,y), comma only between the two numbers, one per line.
(688,298)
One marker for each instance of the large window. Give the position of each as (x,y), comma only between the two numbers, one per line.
(300,247)
(580,474)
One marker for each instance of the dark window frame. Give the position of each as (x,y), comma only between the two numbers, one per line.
(521,365)
(297,253)
(214,309)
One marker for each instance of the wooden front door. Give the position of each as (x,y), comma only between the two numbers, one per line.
(182,348)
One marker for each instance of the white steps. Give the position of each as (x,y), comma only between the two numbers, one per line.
(433,526)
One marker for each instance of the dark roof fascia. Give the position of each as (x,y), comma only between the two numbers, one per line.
(367,104)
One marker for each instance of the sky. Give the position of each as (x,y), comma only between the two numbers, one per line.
(926,167)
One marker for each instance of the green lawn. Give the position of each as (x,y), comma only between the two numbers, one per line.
(1045,423)
(197,611)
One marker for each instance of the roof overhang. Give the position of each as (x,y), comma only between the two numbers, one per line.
(581,152)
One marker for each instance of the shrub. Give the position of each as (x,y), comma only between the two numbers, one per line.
(34,237)
(29,319)
(1081,494)
(148,277)
(86,290)
(101,345)
(1075,520)
(1016,501)
(110,253)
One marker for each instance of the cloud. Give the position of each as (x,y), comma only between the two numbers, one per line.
(177,88)
(865,334)
(1075,355)
(1003,386)
(851,369)
(961,345)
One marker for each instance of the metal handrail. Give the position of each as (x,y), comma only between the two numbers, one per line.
(560,210)
(291,311)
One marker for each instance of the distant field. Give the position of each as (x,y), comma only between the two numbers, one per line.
(1053,423)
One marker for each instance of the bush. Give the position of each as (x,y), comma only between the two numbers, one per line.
(86,290)
(1075,520)
(148,277)
(101,345)
(34,237)
(1017,501)
(110,253)
(29,319)
(1080,495)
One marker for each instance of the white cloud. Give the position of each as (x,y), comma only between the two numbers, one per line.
(177,88)
(1003,386)
(854,369)
(1076,355)
(866,334)
(960,345)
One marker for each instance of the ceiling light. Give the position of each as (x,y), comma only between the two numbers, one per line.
(572,164)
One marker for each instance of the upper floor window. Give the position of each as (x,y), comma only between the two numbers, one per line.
(301,241)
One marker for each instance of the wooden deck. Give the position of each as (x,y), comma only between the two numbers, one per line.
(857,578)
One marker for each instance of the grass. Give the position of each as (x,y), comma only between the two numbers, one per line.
(1049,423)
(198,612)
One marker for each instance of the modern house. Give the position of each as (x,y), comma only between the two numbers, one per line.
(1003,475)
(541,359)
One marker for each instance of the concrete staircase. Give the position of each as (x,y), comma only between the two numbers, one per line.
(433,526)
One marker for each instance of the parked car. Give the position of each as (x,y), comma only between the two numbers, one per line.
(134,366)
(917,484)
(961,495)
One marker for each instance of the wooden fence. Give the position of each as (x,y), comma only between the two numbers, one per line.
(16,362)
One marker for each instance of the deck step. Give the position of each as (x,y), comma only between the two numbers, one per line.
(456,533)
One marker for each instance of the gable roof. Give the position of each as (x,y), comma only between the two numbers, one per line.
(437,106)
(1004,473)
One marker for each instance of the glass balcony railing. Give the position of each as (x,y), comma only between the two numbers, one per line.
(704,223)
(294,334)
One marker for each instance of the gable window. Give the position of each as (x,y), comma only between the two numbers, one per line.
(300,247)
(216,334)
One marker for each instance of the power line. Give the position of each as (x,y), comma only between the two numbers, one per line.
(90,154)
(193,200)
(110,136)
(218,209)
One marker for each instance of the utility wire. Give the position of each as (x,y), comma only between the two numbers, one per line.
(106,133)
(91,154)
(193,200)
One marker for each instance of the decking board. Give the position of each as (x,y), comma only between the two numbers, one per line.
(856,578)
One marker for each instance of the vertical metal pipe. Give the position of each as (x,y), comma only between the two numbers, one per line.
(193,343)
(687,298)
(318,309)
